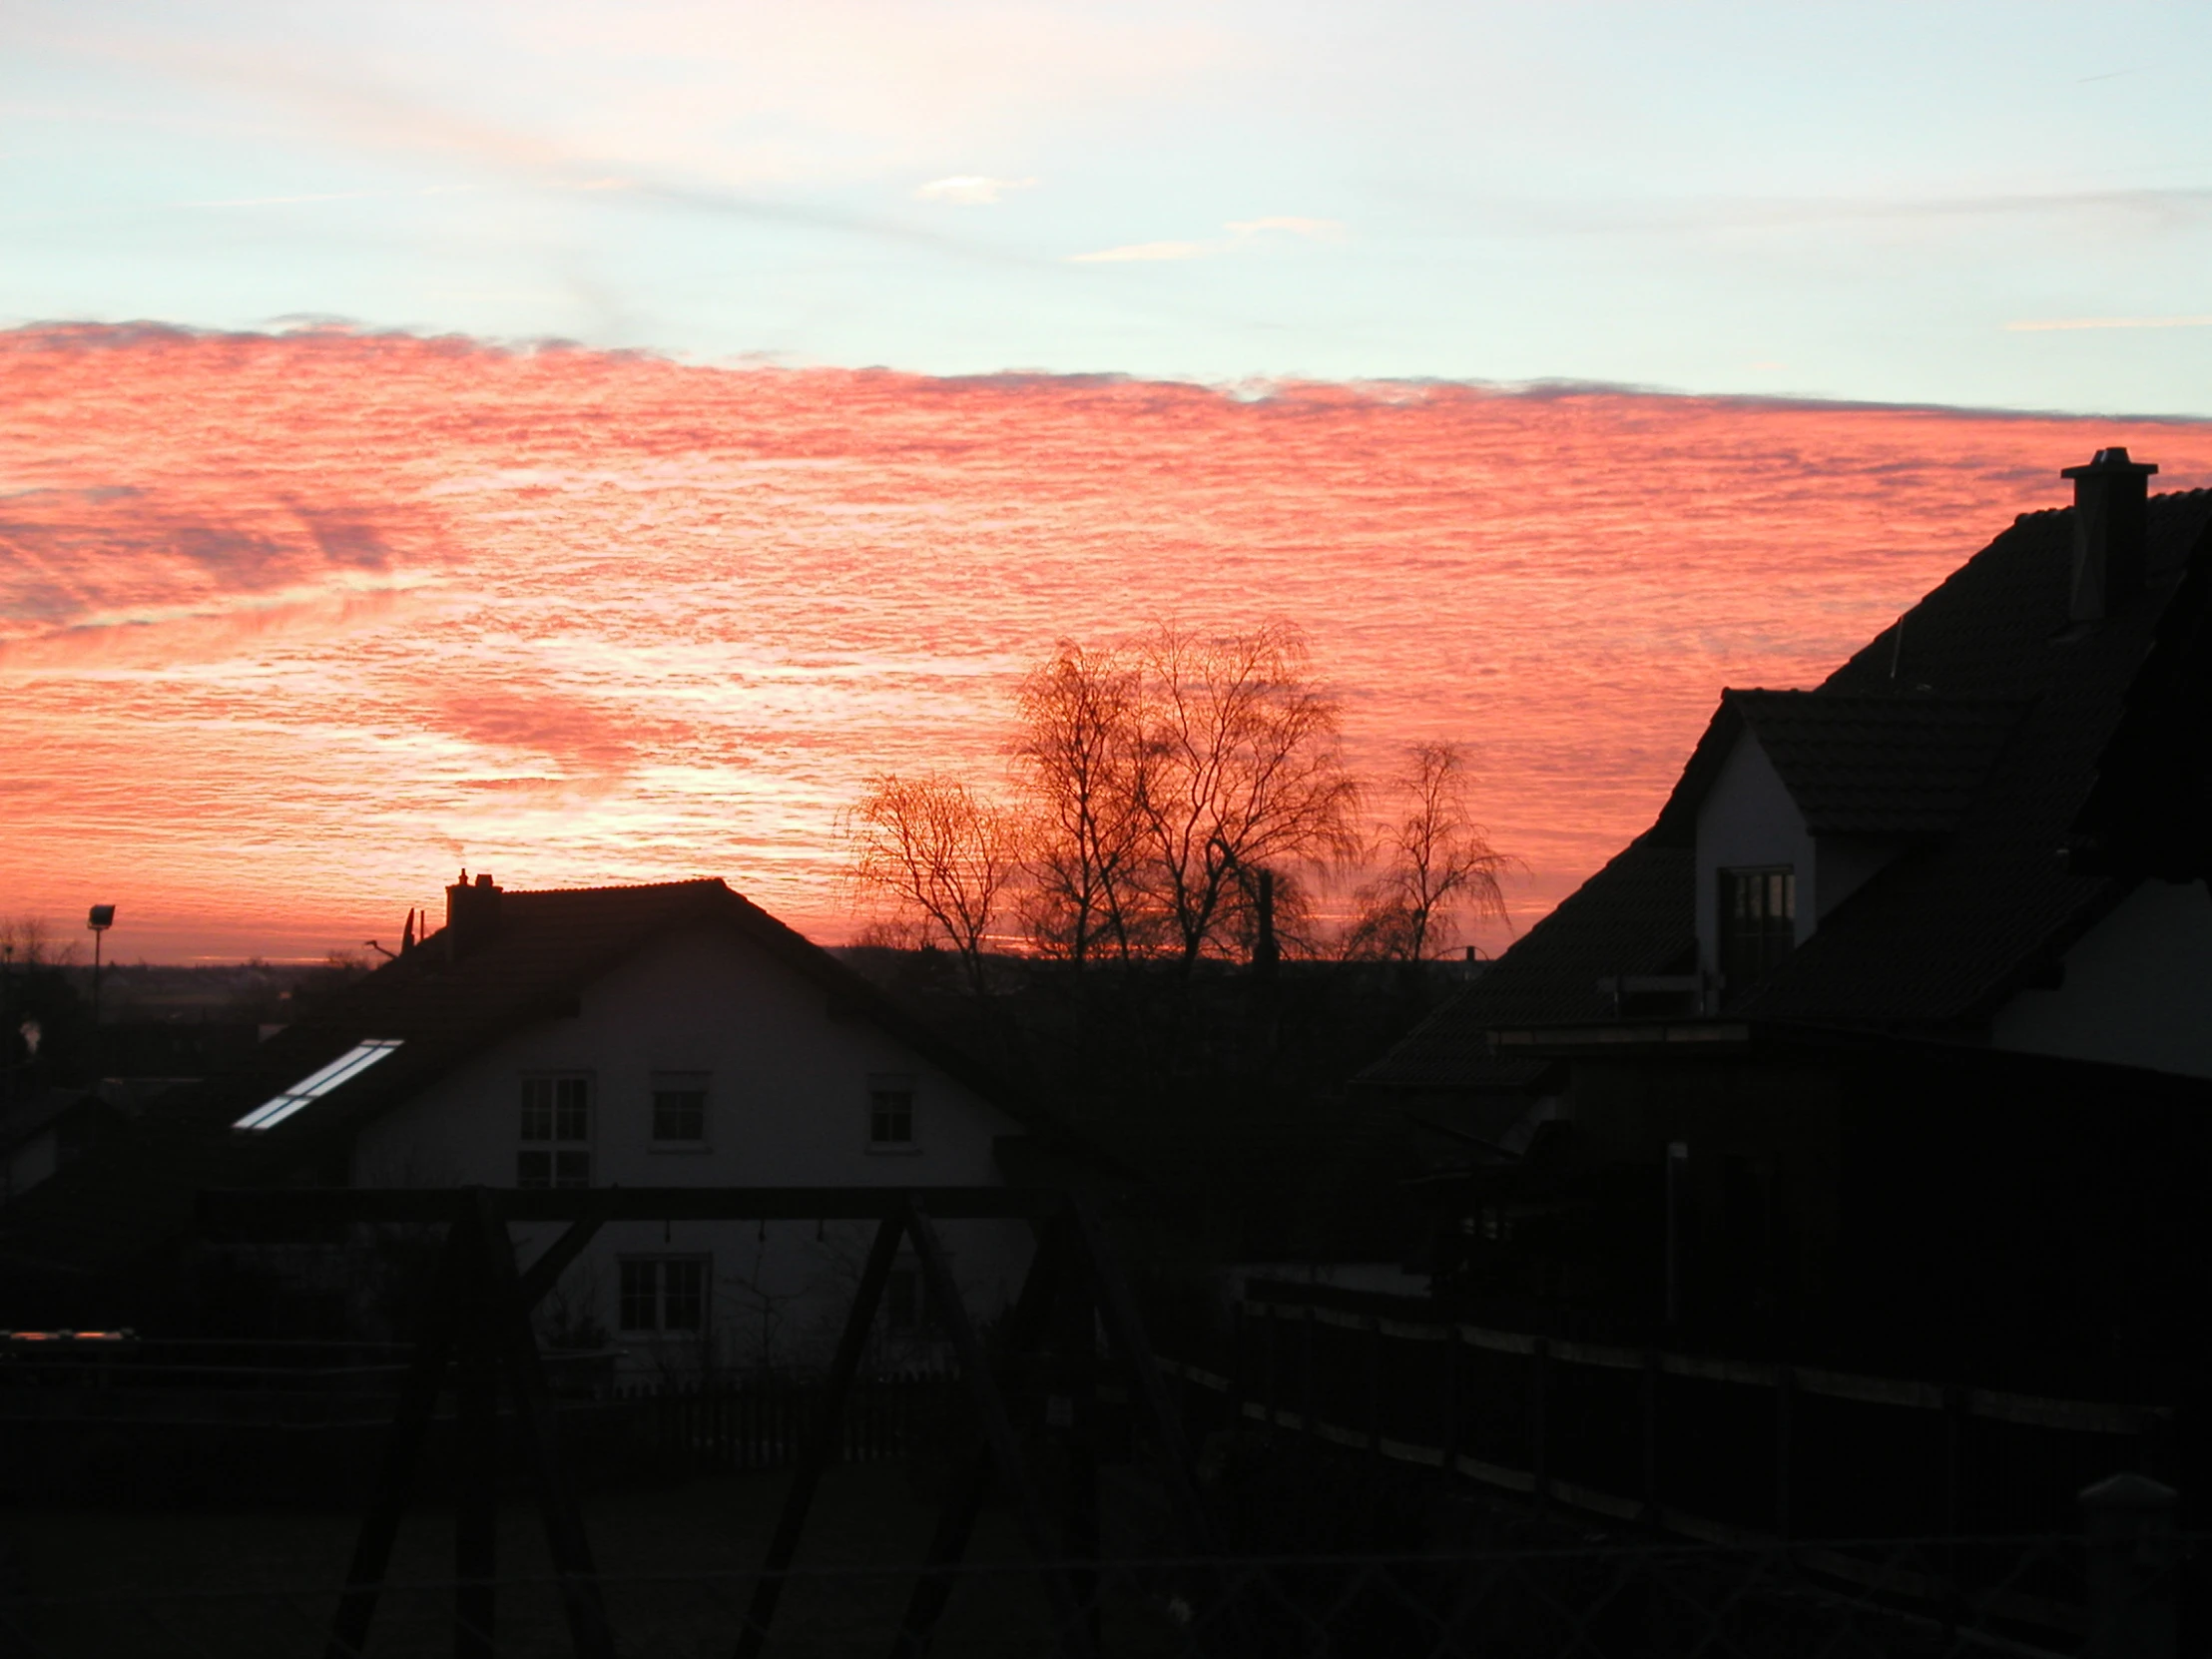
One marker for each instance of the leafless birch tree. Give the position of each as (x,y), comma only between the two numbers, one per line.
(1237,768)
(940,853)
(1437,863)
(1077,757)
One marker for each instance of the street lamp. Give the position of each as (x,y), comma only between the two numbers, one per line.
(101,919)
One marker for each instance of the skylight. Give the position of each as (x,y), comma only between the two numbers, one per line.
(344,1069)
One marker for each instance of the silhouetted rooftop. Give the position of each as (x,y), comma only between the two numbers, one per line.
(1990,732)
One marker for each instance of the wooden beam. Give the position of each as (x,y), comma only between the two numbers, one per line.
(956,1520)
(536,1421)
(998,1430)
(544,1273)
(475,1453)
(281,1207)
(1148,1391)
(410,1422)
(798,1498)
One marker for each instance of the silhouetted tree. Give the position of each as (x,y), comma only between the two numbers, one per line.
(1238,767)
(1436,861)
(1077,757)
(939,853)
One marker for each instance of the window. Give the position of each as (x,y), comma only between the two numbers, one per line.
(891,1113)
(663,1293)
(315,1087)
(1758,923)
(556,1131)
(680,1107)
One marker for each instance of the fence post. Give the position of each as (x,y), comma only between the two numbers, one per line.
(2131,1568)
(1271,1391)
(1954,1462)
(1650,1404)
(1374,1384)
(1539,1467)
(1785,1400)
(1309,1403)
(1449,1426)
(1235,1367)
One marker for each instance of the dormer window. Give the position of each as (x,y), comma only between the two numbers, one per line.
(1758,921)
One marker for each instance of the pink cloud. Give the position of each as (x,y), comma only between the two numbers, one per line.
(293,615)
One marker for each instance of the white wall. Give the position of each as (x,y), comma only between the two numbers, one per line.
(31,1163)
(2137,988)
(787,1105)
(1748,818)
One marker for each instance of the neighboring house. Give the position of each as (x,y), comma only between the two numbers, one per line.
(668,1035)
(48,1130)
(1896,951)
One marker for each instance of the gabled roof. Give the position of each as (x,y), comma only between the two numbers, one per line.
(446,1006)
(1980,724)
(2150,810)
(1891,763)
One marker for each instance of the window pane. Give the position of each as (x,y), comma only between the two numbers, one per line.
(640,1295)
(683,1296)
(679,1114)
(572,1109)
(1758,923)
(891,1117)
(534,1169)
(537,1108)
(571,1169)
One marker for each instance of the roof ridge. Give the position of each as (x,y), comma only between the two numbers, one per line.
(699,882)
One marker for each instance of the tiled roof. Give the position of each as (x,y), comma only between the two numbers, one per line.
(1980,723)
(546,949)
(2150,810)
(1949,932)
(1885,764)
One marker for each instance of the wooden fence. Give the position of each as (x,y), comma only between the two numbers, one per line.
(1724,1450)
(726,1425)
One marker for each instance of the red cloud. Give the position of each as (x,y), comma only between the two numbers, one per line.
(722,597)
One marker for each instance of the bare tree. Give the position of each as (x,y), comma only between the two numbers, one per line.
(1237,768)
(939,853)
(29,942)
(1437,863)
(1077,758)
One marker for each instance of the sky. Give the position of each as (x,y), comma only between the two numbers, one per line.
(1986,202)
(588,441)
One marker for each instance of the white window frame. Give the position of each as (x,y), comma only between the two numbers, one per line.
(893,1082)
(704,1141)
(555,1145)
(659,1261)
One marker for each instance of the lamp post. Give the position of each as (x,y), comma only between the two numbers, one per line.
(101,919)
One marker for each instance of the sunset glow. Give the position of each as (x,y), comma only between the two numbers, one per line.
(294,626)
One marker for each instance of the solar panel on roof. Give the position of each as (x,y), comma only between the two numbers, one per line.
(344,1069)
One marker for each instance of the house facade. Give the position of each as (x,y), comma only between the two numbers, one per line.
(1848,1046)
(656,1036)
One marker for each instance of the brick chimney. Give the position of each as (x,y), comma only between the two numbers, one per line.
(471,913)
(2111,532)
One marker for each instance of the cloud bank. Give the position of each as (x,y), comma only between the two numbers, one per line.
(284,618)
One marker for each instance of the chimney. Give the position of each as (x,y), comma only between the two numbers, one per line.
(2111,529)
(471,913)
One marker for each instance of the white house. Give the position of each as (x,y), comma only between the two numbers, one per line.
(650,1036)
